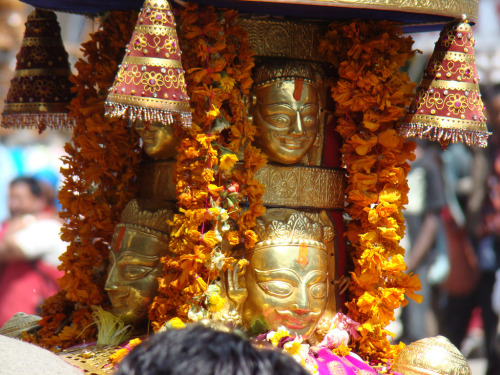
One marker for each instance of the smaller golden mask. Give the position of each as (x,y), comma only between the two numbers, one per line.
(139,241)
(286,282)
(286,108)
(159,141)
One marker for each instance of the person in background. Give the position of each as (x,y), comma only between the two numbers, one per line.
(30,246)
(483,227)
(424,239)
(200,350)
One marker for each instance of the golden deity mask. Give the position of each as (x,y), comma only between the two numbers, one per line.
(139,241)
(159,141)
(286,281)
(286,108)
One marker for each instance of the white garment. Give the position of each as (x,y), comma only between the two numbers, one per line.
(41,240)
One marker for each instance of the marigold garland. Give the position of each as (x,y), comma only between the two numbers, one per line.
(370,98)
(100,178)
(210,187)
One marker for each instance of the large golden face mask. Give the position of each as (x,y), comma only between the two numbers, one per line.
(287,286)
(159,141)
(134,269)
(287,115)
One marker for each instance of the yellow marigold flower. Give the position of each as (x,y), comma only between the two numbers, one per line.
(227,83)
(341,350)
(210,239)
(250,238)
(366,279)
(367,302)
(176,323)
(213,113)
(392,297)
(233,238)
(216,302)
(372,215)
(227,162)
(390,195)
(276,336)
(411,284)
(396,263)
(370,237)
(242,263)
(389,233)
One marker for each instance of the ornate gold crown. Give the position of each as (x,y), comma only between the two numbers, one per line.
(286,226)
(148,216)
(272,70)
(273,37)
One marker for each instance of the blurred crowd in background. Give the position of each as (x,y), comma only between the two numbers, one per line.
(453,216)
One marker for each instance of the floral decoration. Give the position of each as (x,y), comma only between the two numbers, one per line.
(211,187)
(343,330)
(100,178)
(370,96)
(293,346)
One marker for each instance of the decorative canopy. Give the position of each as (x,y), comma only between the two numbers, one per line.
(40,91)
(448,107)
(415,15)
(150,84)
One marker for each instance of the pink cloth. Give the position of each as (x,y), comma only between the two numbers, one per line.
(331,364)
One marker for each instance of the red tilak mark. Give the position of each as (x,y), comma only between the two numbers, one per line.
(120,239)
(297,92)
(302,260)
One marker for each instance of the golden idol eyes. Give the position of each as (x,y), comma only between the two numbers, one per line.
(277,288)
(284,121)
(135,272)
(282,289)
(280,121)
(282,283)
(318,290)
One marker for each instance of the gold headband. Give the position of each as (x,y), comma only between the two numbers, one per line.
(147,217)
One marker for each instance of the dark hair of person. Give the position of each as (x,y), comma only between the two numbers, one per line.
(33,184)
(200,350)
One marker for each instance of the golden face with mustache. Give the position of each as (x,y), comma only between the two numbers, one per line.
(134,269)
(287,286)
(287,116)
(159,141)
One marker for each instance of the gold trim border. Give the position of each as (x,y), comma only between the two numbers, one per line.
(152,61)
(303,186)
(37,41)
(63,72)
(445,122)
(448,8)
(156,103)
(449,85)
(454,56)
(156,30)
(35,107)
(286,186)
